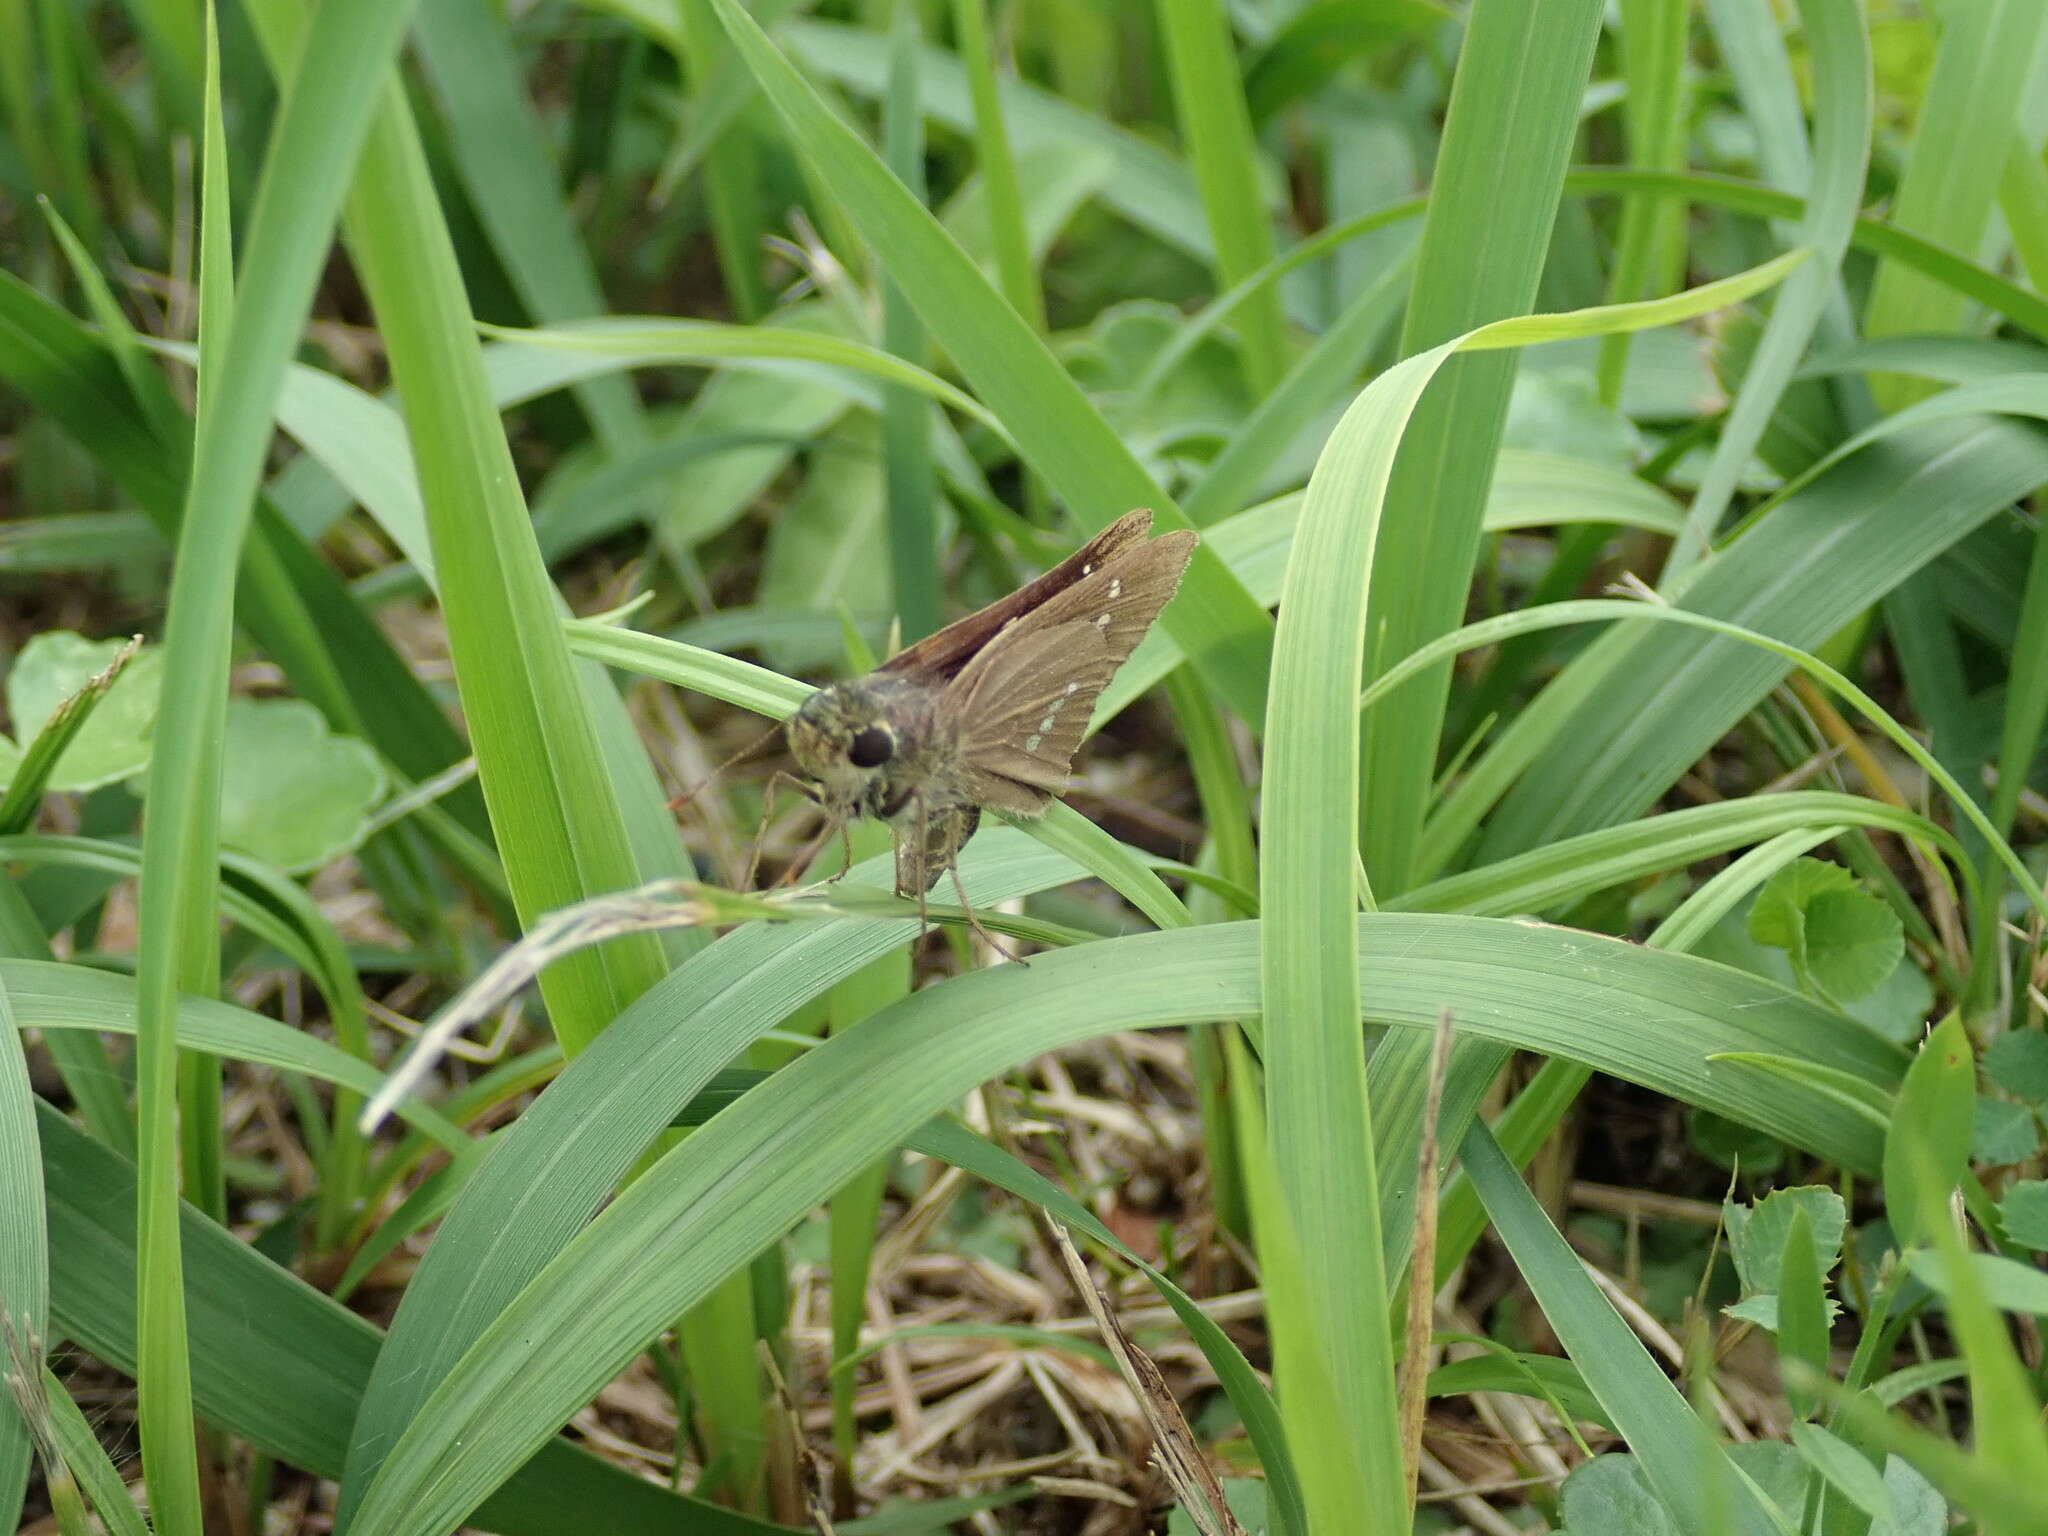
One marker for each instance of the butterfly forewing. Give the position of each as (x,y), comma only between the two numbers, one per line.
(944,654)
(1020,706)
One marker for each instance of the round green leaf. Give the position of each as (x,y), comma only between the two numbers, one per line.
(115,741)
(2003,1133)
(1853,942)
(2025,1211)
(292,793)
(2018,1063)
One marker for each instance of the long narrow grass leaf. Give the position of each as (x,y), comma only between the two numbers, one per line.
(313,150)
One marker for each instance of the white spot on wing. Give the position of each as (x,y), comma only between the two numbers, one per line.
(1031,743)
(1116,586)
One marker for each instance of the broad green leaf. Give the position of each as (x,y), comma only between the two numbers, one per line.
(2003,1133)
(1609,1495)
(1803,1314)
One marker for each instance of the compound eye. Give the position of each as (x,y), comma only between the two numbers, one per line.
(871,747)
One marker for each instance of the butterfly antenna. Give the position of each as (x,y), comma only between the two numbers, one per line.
(682,801)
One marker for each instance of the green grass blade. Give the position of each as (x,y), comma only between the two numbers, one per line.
(730,169)
(1672,1446)
(200,1077)
(1798,574)
(97,1087)
(506,169)
(556,810)
(54,997)
(2026,699)
(627,341)
(1551,877)
(1973,280)
(216,223)
(997,162)
(1813,666)
(1521,73)
(906,438)
(290,1387)
(1319,376)
(86,1459)
(2023,199)
(1316,1087)
(1216,128)
(510,1220)
(24,793)
(24,1243)
(1840,51)
(1649,254)
(1950,186)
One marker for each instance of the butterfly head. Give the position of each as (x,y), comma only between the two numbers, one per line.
(846,740)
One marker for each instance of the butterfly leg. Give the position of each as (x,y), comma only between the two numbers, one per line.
(973,922)
(775,781)
(923,878)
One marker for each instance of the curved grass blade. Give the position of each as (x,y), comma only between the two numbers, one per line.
(1497,183)
(1635,710)
(48,995)
(1545,879)
(282,1367)
(1315,1055)
(24,792)
(738,1182)
(1813,666)
(511,1220)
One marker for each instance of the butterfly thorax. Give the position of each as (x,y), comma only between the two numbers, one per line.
(872,746)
